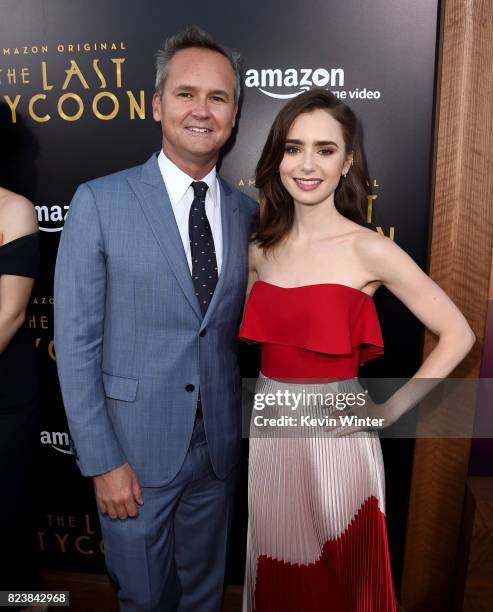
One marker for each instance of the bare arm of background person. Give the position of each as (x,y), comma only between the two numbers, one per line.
(17,218)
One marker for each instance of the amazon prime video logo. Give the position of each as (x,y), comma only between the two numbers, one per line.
(274,82)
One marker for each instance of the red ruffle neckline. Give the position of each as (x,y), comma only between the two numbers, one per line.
(329,319)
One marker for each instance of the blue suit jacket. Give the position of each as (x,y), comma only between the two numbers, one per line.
(132,347)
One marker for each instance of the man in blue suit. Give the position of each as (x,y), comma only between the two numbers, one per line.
(149,288)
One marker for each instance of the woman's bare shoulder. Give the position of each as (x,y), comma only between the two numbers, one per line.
(17,216)
(255,254)
(369,243)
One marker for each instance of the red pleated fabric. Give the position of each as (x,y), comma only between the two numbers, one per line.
(352,575)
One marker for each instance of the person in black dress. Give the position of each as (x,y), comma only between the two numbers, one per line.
(19,429)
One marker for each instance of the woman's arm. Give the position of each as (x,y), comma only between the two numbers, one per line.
(389,264)
(393,267)
(17,218)
(15,292)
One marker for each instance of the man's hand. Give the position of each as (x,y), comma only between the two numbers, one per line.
(117,491)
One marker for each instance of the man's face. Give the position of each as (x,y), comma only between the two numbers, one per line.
(197,110)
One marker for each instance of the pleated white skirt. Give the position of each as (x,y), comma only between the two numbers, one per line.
(316,513)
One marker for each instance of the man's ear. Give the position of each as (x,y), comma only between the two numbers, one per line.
(156,107)
(235,112)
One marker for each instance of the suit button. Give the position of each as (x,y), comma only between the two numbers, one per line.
(203,333)
(190,388)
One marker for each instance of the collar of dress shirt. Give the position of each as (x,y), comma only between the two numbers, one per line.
(177,182)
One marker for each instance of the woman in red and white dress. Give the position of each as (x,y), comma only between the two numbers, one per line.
(317,535)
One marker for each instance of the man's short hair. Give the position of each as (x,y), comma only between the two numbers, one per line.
(193,37)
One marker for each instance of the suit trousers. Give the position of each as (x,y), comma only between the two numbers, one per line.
(171,558)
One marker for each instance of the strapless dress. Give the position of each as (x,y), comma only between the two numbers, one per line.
(317,537)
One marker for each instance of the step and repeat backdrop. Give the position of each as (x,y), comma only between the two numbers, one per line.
(76,82)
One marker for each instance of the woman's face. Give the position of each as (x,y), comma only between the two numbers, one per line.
(314,158)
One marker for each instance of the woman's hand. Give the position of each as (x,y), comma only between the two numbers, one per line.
(362,418)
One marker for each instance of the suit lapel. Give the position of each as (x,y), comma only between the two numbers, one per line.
(156,206)
(230,229)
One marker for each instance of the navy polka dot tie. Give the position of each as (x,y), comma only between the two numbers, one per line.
(204,263)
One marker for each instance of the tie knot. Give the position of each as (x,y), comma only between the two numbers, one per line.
(199,188)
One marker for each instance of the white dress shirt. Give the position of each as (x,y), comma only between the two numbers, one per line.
(180,191)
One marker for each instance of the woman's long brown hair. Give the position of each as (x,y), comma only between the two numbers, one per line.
(276,213)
